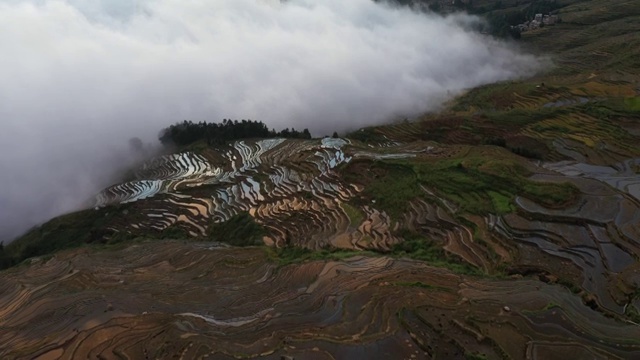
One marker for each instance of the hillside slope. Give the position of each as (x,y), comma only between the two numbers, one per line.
(505,226)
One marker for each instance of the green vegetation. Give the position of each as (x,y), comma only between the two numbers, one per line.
(501,203)
(421,285)
(611,108)
(522,117)
(87,227)
(569,285)
(64,232)
(633,103)
(501,20)
(478,183)
(482,97)
(417,247)
(475,356)
(393,190)
(198,147)
(392,186)
(632,313)
(551,305)
(173,232)
(261,177)
(414,247)
(355,215)
(188,132)
(292,255)
(239,230)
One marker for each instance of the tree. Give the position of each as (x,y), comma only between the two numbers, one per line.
(188,132)
(306,134)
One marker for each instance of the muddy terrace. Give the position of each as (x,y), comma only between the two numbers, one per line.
(157,299)
(351,250)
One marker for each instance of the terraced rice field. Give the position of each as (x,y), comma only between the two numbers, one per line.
(288,186)
(316,194)
(166,299)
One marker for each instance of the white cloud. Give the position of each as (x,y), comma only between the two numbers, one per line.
(80,77)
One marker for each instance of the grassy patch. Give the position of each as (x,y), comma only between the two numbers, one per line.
(261,177)
(197,147)
(632,103)
(550,195)
(239,230)
(355,215)
(551,305)
(420,284)
(475,356)
(413,247)
(499,96)
(487,180)
(64,232)
(292,255)
(569,284)
(501,203)
(480,185)
(523,117)
(173,232)
(392,186)
(632,313)
(420,248)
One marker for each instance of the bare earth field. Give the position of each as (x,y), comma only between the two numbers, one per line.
(177,300)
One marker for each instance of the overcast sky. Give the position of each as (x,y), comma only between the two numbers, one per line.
(78,78)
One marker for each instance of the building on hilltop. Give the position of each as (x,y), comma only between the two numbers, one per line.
(536,23)
(549,19)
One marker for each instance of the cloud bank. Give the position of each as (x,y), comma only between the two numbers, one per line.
(78,78)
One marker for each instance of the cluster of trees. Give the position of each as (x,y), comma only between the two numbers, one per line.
(188,132)
(6,260)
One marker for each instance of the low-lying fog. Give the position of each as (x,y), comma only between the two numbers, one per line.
(79,78)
